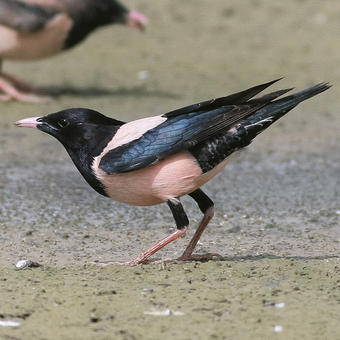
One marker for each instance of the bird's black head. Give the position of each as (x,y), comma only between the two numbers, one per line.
(88,15)
(83,132)
(112,11)
(105,12)
(75,128)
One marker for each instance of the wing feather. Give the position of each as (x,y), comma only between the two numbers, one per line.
(24,17)
(183,129)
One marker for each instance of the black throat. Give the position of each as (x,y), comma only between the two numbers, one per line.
(86,148)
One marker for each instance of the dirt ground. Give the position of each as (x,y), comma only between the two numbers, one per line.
(277,205)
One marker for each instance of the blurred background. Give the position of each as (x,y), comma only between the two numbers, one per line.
(191,51)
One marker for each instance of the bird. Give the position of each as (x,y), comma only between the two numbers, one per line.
(36,29)
(159,159)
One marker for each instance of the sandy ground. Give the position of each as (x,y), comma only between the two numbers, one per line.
(277,204)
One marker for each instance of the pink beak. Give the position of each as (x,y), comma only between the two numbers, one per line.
(136,20)
(28,122)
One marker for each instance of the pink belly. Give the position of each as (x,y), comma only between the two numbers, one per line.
(175,176)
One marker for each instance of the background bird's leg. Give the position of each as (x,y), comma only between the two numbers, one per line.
(11,93)
(14,89)
(3,97)
(20,84)
(206,205)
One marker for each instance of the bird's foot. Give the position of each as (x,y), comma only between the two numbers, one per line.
(133,262)
(109,263)
(11,92)
(184,258)
(22,85)
(144,257)
(197,257)
(23,97)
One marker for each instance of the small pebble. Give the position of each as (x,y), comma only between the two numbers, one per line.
(147,291)
(143,75)
(9,323)
(94,319)
(278,329)
(23,264)
(165,312)
(280,305)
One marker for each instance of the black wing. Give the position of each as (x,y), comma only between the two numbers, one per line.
(233,99)
(24,17)
(183,129)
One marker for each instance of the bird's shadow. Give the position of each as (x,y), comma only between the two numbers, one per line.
(93,91)
(252,258)
(274,257)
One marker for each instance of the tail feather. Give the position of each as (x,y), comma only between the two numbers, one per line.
(233,99)
(269,96)
(307,93)
(244,96)
(270,113)
(212,151)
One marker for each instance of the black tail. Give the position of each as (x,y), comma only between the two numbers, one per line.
(214,150)
(264,117)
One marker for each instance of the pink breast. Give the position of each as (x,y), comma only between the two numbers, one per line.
(173,177)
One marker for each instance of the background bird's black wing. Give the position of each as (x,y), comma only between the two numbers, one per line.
(24,17)
(180,132)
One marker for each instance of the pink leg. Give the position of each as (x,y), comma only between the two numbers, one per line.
(11,92)
(21,85)
(187,254)
(144,256)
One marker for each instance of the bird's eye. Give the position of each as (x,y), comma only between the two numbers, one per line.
(62,123)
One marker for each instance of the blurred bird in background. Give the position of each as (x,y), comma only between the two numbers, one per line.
(35,29)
